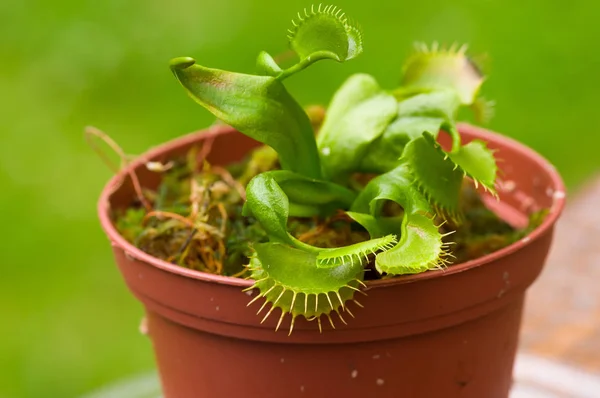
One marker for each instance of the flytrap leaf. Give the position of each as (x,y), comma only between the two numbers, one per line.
(483,110)
(430,69)
(289,279)
(478,162)
(420,248)
(359,112)
(325,32)
(437,176)
(329,258)
(258,106)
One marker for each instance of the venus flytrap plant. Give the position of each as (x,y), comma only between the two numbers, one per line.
(366,129)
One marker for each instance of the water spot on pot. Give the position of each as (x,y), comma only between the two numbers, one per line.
(558,195)
(387,354)
(326,151)
(527,202)
(507,186)
(376,356)
(217,308)
(282,360)
(301,388)
(212,299)
(380,382)
(506,278)
(549,191)
(141,276)
(354,374)
(465,341)
(143,328)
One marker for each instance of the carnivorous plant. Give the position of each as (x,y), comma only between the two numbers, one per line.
(389,134)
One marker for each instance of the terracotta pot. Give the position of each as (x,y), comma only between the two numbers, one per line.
(450,333)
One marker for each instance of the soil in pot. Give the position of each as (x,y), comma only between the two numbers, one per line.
(194,218)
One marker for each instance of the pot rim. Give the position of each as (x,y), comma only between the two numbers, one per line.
(137,254)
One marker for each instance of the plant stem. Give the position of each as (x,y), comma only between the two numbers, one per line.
(314,57)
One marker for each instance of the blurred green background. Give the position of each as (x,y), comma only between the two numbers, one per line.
(68,323)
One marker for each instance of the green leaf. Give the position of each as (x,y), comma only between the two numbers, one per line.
(436,175)
(377,226)
(258,106)
(437,104)
(441,69)
(396,185)
(483,110)
(325,30)
(427,112)
(329,258)
(359,112)
(385,152)
(297,268)
(268,204)
(266,65)
(420,248)
(369,222)
(478,162)
(302,190)
(290,280)
(298,210)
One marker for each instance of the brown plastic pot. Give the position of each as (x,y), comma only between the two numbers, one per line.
(450,333)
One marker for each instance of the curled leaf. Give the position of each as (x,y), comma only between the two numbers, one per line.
(302,190)
(268,204)
(258,106)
